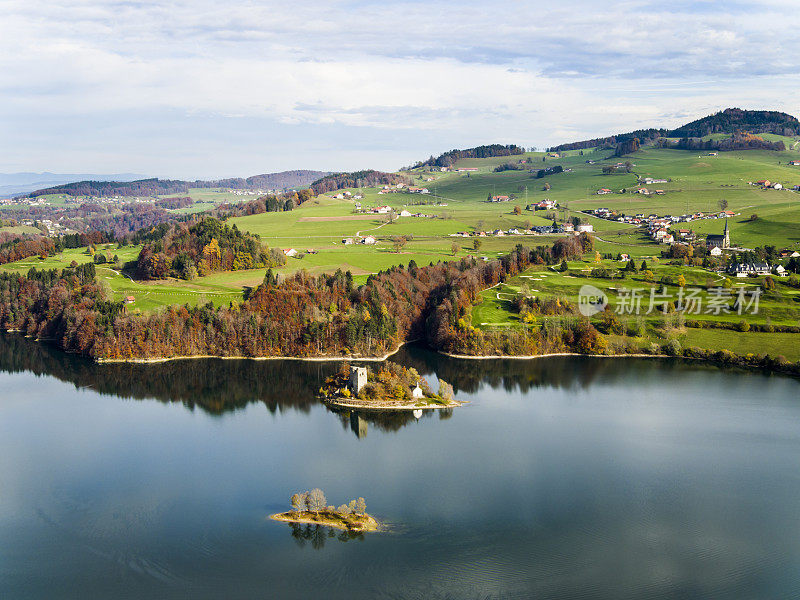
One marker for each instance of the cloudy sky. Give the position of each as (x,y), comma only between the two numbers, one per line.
(206,88)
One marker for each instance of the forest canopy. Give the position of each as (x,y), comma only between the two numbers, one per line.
(447,159)
(186,251)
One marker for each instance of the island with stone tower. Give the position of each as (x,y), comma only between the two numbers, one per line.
(390,387)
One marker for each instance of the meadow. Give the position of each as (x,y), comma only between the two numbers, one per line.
(458,203)
(21,230)
(779,307)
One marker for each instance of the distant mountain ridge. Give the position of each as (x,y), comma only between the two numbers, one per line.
(728,121)
(280,181)
(20,183)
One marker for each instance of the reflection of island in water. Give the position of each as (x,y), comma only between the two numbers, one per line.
(385,420)
(317,535)
(217,385)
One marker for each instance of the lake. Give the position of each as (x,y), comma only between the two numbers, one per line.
(562,478)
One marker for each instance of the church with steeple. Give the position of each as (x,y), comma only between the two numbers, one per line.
(719,241)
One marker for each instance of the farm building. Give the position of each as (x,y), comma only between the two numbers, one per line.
(749,269)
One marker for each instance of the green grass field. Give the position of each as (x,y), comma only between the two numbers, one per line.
(697,182)
(21,230)
(780,307)
(220,288)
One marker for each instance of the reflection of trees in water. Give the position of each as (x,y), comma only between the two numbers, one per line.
(567,372)
(317,535)
(358,421)
(214,385)
(218,385)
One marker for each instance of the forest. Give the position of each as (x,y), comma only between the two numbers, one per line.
(627,147)
(20,249)
(739,140)
(269,181)
(269,203)
(174,202)
(646,135)
(732,119)
(729,121)
(121,220)
(186,250)
(159,187)
(449,158)
(142,187)
(298,316)
(356,179)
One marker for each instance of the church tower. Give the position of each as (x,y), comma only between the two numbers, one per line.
(726,237)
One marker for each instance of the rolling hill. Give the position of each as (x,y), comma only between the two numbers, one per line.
(728,121)
(282,180)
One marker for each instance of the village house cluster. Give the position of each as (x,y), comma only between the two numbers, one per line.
(555,228)
(348,195)
(658,227)
(401,187)
(766,184)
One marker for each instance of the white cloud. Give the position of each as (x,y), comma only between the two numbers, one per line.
(465,72)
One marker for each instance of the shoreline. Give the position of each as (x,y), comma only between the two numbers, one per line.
(371,524)
(555,354)
(363,405)
(381,358)
(339,358)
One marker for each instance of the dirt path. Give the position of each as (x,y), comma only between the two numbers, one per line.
(358,233)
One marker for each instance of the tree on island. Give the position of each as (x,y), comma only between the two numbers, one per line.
(299,502)
(361,507)
(316,500)
(445,393)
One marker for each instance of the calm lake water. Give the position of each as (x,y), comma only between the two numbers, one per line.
(563,478)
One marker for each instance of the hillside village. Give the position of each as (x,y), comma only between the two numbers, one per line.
(719,215)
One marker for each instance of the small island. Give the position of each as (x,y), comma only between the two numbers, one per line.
(392,387)
(311,508)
